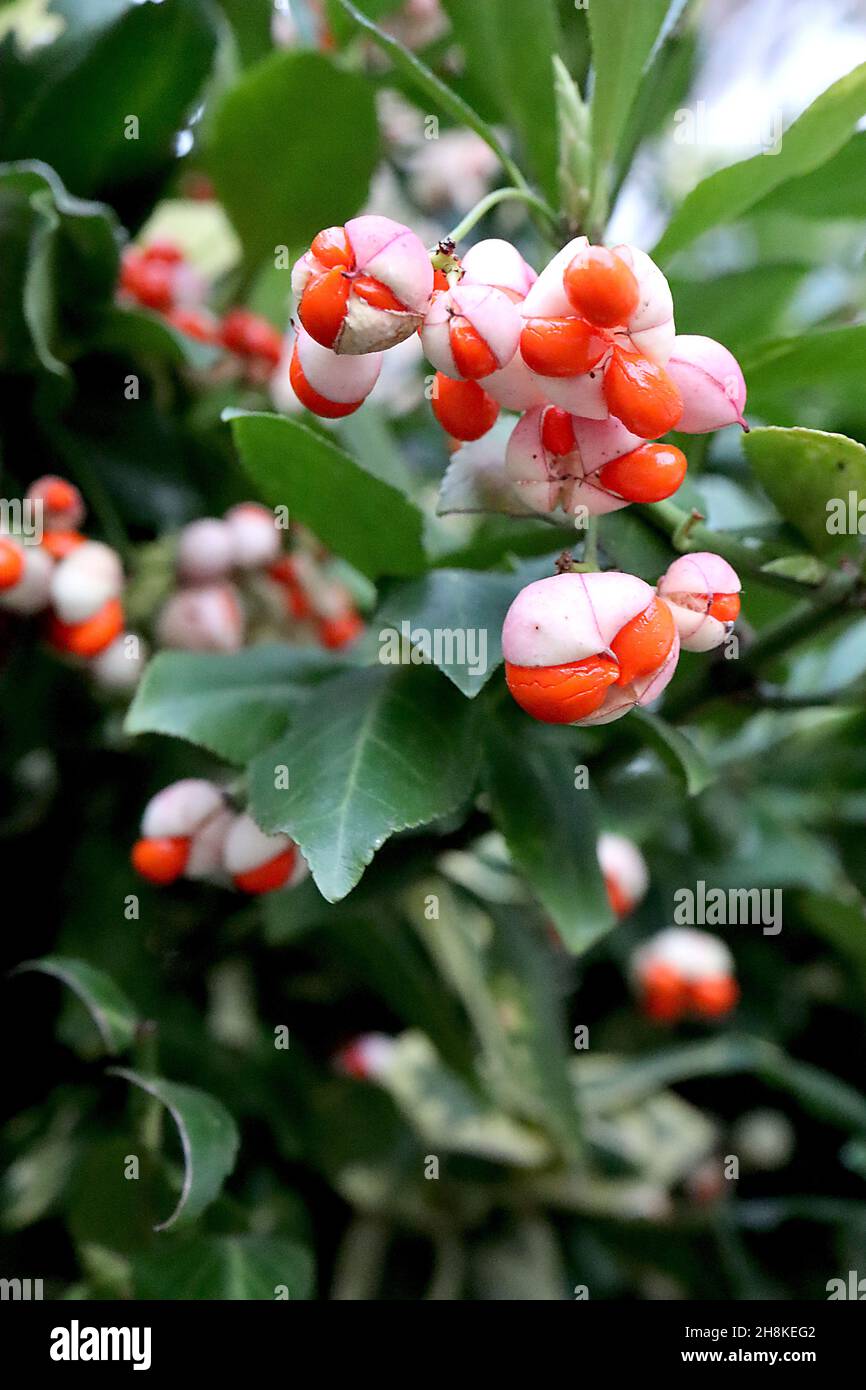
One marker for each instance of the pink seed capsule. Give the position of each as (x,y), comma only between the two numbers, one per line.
(257,862)
(328,384)
(62,505)
(496,262)
(205,551)
(366,1058)
(702,591)
(586,648)
(85,580)
(624,870)
(710,382)
(363,287)
(31,591)
(255,538)
(119,668)
(207,618)
(181,807)
(471,331)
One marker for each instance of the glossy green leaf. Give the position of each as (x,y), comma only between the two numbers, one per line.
(624,34)
(502,971)
(816,1090)
(312,127)
(817,481)
(68,102)
(509,51)
(398,748)
(226,1268)
(455,618)
(232,704)
(58,266)
(444,1110)
(550,827)
(816,135)
(675,748)
(739,309)
(824,359)
(835,189)
(208,1136)
(323,486)
(112,1013)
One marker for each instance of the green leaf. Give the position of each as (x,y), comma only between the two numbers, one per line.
(114,1016)
(224,1268)
(674,748)
(624,34)
(550,827)
(446,1112)
(817,1091)
(809,475)
(397,749)
(836,189)
(58,266)
(322,486)
(503,972)
(293,146)
(93,76)
(232,704)
(816,135)
(509,50)
(823,359)
(739,308)
(843,924)
(208,1136)
(455,618)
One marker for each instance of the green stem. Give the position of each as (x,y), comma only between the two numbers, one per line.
(687,531)
(501,195)
(360,1260)
(150,1112)
(449,1262)
(443,95)
(590,544)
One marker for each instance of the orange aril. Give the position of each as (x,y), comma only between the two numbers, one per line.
(269,876)
(335,633)
(11,563)
(641,645)
(725,607)
(715,996)
(60,543)
(665,993)
(332,248)
(463,408)
(472,356)
(649,473)
(601,287)
(313,400)
(377,295)
(161,860)
(562,694)
(641,394)
(557,431)
(323,305)
(561,346)
(619,901)
(93,635)
(59,495)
